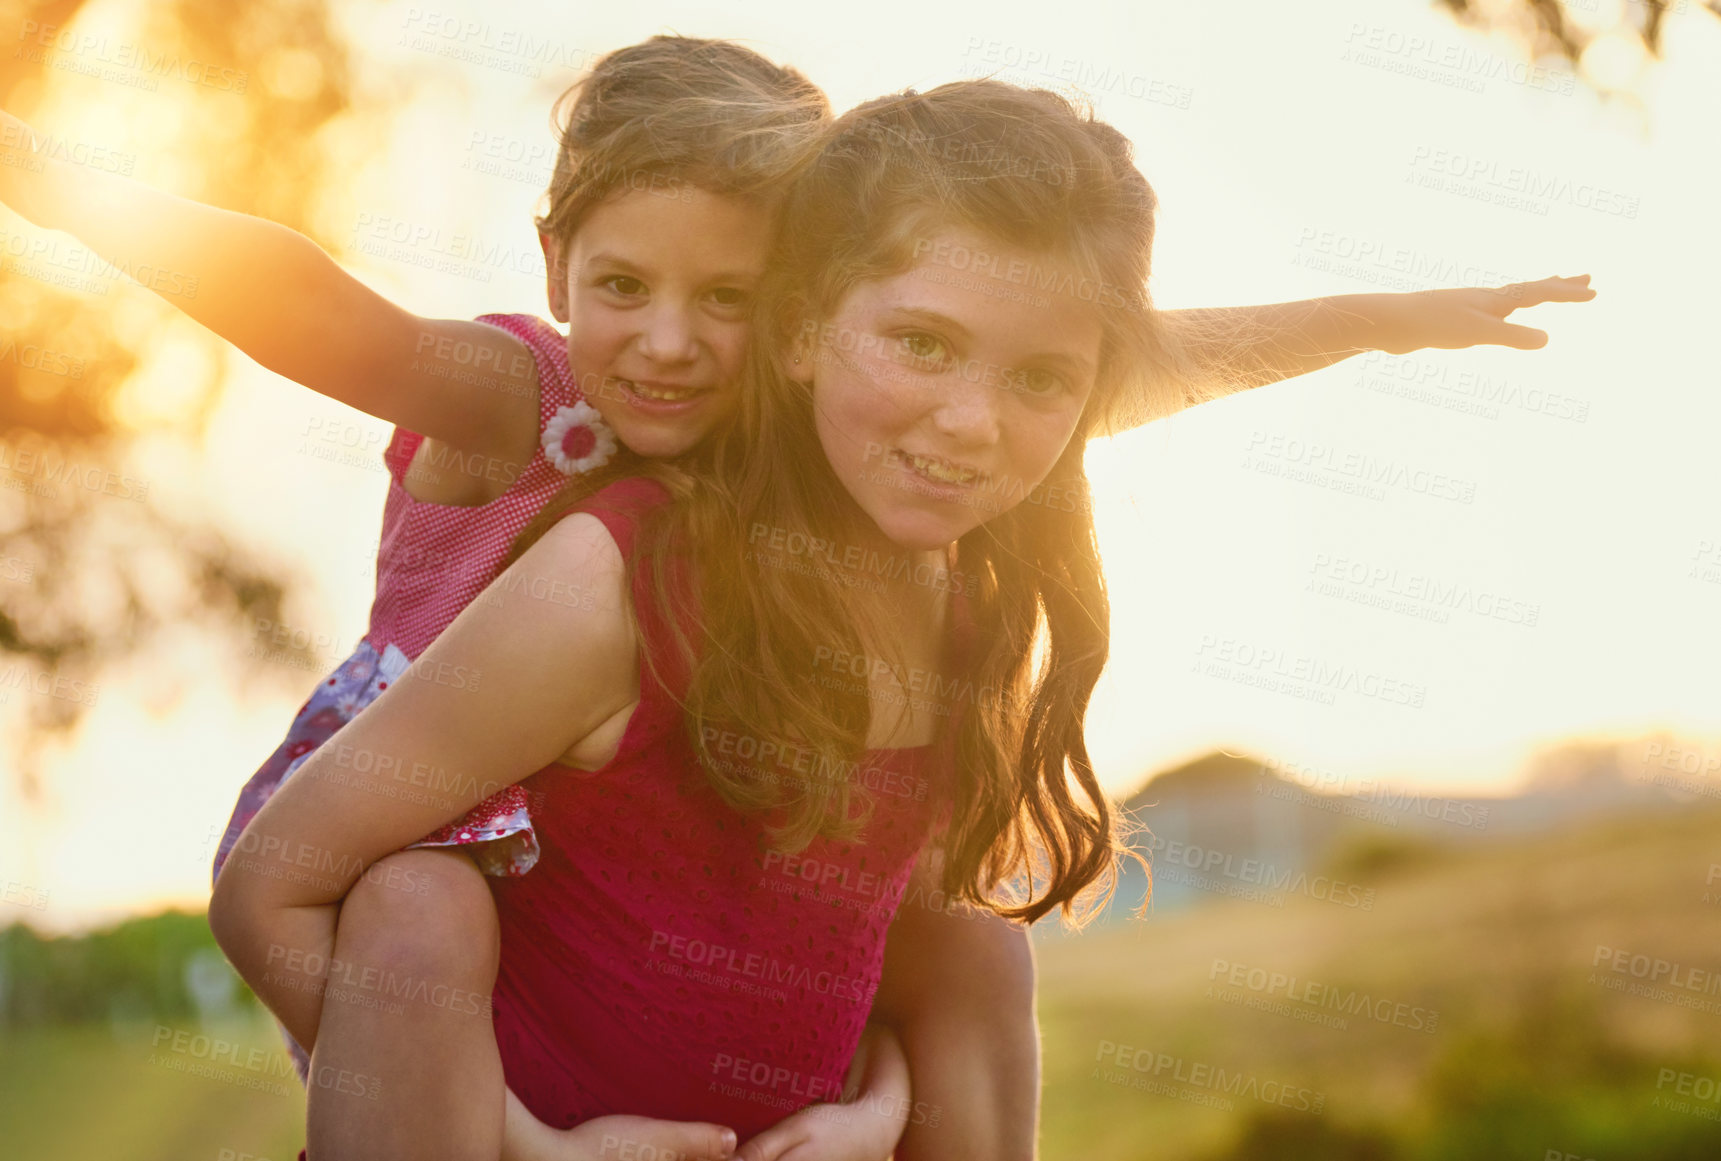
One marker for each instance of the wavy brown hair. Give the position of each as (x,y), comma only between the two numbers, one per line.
(1032,830)
(675,111)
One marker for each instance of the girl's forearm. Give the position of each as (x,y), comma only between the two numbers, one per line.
(280,298)
(958,991)
(878,1078)
(236,274)
(1250,346)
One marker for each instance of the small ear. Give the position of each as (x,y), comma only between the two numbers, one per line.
(801,352)
(555,276)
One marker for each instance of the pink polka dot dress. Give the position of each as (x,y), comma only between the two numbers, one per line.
(433,559)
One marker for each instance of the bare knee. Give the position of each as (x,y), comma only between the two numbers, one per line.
(422,914)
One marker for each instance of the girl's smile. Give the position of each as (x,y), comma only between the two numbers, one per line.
(657,292)
(645,392)
(931,392)
(944,478)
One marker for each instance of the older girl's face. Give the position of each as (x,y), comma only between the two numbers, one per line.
(945,394)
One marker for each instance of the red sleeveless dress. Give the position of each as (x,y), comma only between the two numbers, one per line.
(661,960)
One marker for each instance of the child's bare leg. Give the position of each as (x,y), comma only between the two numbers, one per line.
(405,1064)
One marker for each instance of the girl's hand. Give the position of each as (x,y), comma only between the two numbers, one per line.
(1471,315)
(827,1133)
(865,1127)
(612,1138)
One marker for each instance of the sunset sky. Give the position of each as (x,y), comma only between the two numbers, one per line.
(1563,580)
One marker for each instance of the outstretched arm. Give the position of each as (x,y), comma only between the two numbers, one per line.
(1238,347)
(277,296)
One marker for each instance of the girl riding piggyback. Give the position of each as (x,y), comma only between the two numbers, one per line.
(652,242)
(649,964)
(674,157)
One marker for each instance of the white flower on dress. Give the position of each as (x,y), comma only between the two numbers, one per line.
(577,440)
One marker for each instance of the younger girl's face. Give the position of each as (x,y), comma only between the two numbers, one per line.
(656,288)
(943,396)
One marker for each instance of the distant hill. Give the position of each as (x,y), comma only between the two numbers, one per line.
(1478,1011)
(1233,825)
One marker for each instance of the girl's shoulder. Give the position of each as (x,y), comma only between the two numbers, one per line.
(536,333)
(622,506)
(562,450)
(549,348)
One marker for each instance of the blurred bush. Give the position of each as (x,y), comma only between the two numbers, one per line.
(163,968)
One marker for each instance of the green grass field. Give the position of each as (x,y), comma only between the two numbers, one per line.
(96,1093)
(1530,1053)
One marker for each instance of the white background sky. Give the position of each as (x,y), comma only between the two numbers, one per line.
(1287,154)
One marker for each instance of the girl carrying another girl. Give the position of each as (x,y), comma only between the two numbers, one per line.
(672,722)
(674,155)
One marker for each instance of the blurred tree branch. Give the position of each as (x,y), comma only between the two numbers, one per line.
(90,571)
(1547,27)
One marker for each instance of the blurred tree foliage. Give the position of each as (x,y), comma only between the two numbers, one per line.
(95,576)
(1553,28)
(143,969)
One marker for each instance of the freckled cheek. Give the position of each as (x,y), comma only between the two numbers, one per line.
(894,393)
(877,414)
(1031,454)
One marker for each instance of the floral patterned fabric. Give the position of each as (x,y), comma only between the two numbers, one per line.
(354,684)
(499,830)
(433,559)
